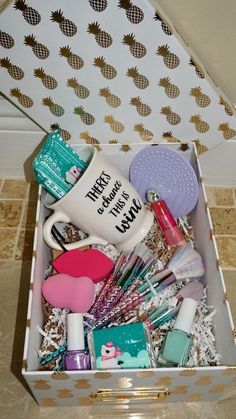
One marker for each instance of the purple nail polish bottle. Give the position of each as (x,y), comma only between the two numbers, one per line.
(76,357)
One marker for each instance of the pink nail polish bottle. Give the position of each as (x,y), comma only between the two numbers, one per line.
(76,357)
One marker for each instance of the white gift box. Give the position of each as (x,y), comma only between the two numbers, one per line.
(171,96)
(135,386)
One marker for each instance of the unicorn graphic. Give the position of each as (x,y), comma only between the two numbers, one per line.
(109,355)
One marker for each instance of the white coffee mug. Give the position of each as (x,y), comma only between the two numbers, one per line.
(103,204)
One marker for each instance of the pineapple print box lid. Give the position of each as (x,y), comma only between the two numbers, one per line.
(169,174)
(75,74)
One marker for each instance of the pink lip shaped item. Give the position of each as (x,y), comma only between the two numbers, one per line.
(91,263)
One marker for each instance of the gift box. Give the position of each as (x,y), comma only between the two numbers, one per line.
(76,79)
(120,386)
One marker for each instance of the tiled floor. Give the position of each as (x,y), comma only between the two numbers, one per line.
(17,214)
(222,204)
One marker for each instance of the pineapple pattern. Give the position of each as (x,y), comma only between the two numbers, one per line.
(64,133)
(169,58)
(137,49)
(85,117)
(199,72)
(75,61)
(142,108)
(24,100)
(183,147)
(112,100)
(133,13)
(107,70)
(228,132)
(6,40)
(125,148)
(168,136)
(29,14)
(172,117)
(102,38)
(226,106)
(15,72)
(54,108)
(116,126)
(79,90)
(201,148)
(165,27)
(48,81)
(171,90)
(144,133)
(201,99)
(140,81)
(67,27)
(40,50)
(200,126)
(126,68)
(98,5)
(88,139)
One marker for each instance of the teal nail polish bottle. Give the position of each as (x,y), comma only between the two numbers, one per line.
(178,343)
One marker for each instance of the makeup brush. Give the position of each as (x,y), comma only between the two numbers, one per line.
(54,355)
(129,266)
(185,263)
(135,268)
(164,313)
(109,282)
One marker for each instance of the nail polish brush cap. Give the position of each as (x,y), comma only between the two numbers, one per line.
(186,315)
(75,332)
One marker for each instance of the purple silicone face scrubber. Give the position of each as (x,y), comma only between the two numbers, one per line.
(169,175)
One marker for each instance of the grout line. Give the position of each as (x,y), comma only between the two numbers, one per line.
(11,199)
(225,235)
(222,206)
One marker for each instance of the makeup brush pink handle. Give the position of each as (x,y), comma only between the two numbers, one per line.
(130,317)
(130,293)
(123,307)
(109,301)
(101,296)
(117,296)
(131,289)
(131,302)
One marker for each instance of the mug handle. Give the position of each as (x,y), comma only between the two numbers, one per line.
(60,217)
